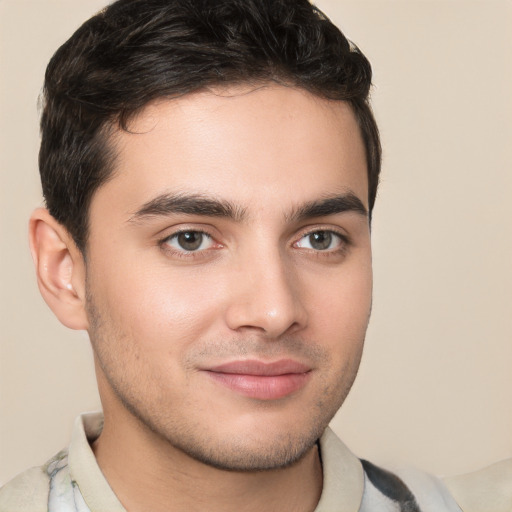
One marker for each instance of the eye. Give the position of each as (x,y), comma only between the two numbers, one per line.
(320,241)
(190,241)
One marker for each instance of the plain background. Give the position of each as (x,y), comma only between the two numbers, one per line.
(435,386)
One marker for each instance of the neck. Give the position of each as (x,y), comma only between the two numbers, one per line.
(147,473)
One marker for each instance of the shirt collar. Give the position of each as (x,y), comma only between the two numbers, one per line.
(343,477)
(84,469)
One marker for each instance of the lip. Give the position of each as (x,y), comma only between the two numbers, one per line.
(261,380)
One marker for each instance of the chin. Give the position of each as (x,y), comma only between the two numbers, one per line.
(244,454)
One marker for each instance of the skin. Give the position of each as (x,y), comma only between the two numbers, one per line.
(258,287)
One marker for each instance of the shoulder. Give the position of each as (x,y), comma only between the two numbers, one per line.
(26,492)
(486,490)
(30,490)
(354,484)
(405,490)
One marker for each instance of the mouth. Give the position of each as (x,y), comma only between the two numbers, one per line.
(262,380)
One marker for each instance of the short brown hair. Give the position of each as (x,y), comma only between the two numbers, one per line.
(136,51)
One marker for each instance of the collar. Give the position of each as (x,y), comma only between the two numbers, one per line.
(343,476)
(84,469)
(342,471)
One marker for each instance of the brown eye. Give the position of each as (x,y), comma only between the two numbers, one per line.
(190,241)
(321,240)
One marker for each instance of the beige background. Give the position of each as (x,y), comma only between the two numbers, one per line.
(435,386)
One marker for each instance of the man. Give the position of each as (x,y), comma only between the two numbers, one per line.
(209,171)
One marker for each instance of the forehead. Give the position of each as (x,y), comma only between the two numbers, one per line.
(262,145)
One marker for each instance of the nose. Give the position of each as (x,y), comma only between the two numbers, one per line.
(266,298)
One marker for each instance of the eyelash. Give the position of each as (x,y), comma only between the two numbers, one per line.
(345,242)
(164,245)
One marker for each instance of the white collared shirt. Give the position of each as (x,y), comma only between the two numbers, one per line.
(73,482)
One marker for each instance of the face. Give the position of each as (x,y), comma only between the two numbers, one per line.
(229,273)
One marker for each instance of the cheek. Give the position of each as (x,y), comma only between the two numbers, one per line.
(341,307)
(162,306)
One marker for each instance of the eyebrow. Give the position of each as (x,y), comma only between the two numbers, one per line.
(333,205)
(196,204)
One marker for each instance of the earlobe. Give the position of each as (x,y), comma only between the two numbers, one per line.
(59,268)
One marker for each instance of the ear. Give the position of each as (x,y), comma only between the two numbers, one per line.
(60,269)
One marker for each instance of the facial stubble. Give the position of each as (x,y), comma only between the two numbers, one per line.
(147,401)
